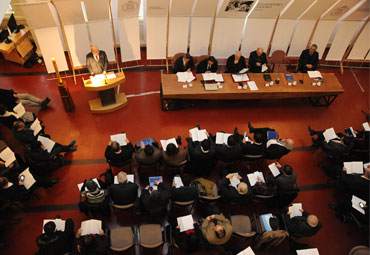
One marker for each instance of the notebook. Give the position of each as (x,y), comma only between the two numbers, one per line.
(91,227)
(289,77)
(272,135)
(267,77)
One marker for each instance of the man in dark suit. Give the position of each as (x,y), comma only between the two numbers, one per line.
(254,148)
(96,61)
(10,99)
(148,155)
(309,59)
(287,180)
(185,193)
(232,194)
(155,201)
(276,148)
(184,64)
(56,242)
(117,155)
(124,192)
(173,155)
(306,225)
(256,60)
(235,63)
(208,65)
(230,151)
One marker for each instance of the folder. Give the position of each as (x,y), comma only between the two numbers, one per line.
(198,135)
(48,143)
(185,76)
(272,135)
(119,138)
(178,182)
(91,227)
(253,177)
(221,138)
(295,210)
(356,201)
(19,110)
(240,77)
(185,222)
(354,167)
(8,156)
(252,85)
(330,134)
(274,169)
(36,127)
(247,251)
(366,126)
(28,179)
(234,181)
(314,74)
(350,132)
(154,178)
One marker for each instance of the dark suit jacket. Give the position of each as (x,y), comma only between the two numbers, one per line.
(121,158)
(8,121)
(354,183)
(155,206)
(284,182)
(253,148)
(228,154)
(231,67)
(276,151)
(179,65)
(306,58)
(142,158)
(298,226)
(230,194)
(202,66)
(8,99)
(15,192)
(123,193)
(25,136)
(253,59)
(95,67)
(196,153)
(184,194)
(174,160)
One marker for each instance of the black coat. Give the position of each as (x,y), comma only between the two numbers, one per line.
(306,58)
(231,67)
(184,194)
(155,206)
(179,65)
(8,99)
(25,136)
(298,226)
(202,66)
(253,59)
(230,194)
(123,193)
(276,151)
(253,148)
(121,158)
(228,154)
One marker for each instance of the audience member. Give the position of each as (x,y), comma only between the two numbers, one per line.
(286,180)
(306,225)
(309,59)
(216,228)
(188,241)
(117,155)
(184,64)
(174,155)
(93,244)
(185,193)
(235,63)
(256,60)
(93,194)
(10,98)
(124,192)
(262,131)
(148,155)
(276,148)
(208,65)
(230,151)
(237,194)
(264,189)
(254,148)
(155,200)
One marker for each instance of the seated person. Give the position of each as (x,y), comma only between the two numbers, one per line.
(93,244)
(216,229)
(188,241)
(93,194)
(124,192)
(309,59)
(256,60)
(356,184)
(261,131)
(148,155)
(264,189)
(54,241)
(185,193)
(23,133)
(230,151)
(208,65)
(155,200)
(286,180)
(306,225)
(173,155)
(276,148)
(184,64)
(10,98)
(235,63)
(232,194)
(117,155)
(254,148)
(6,117)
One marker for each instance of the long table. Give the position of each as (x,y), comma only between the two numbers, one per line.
(322,95)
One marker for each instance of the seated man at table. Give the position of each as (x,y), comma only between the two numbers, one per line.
(96,61)
(235,63)
(208,65)
(256,60)
(118,156)
(309,59)
(184,64)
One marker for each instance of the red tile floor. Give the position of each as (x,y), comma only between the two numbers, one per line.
(143,118)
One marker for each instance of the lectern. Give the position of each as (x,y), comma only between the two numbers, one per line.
(108,100)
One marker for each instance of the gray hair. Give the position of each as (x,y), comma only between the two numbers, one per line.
(122,177)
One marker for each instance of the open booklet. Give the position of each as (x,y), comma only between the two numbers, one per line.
(274,169)
(314,74)
(185,76)
(19,110)
(221,138)
(252,85)
(178,182)
(119,138)
(350,132)
(81,184)
(234,181)
(311,251)
(91,227)
(28,179)
(60,224)
(8,156)
(240,77)
(354,167)
(366,126)
(329,134)
(295,210)
(198,135)
(217,77)
(130,178)
(358,204)
(48,143)
(253,177)
(247,251)
(164,143)
(185,222)
(36,127)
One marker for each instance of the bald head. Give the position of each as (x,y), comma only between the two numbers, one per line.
(259,51)
(312,220)
(289,143)
(94,50)
(242,188)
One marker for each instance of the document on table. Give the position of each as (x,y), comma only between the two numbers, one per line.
(164,143)
(252,85)
(244,70)
(185,76)
(311,251)
(264,68)
(247,251)
(36,127)
(234,181)
(97,80)
(48,143)
(8,156)
(221,138)
(366,126)
(240,77)
(356,204)
(119,138)
(81,184)
(295,210)
(185,222)
(213,77)
(111,76)
(60,224)
(274,169)
(28,179)
(178,182)
(253,177)
(130,178)
(354,167)
(19,110)
(91,227)
(314,74)
(329,134)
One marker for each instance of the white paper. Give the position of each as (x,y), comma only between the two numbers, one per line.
(356,204)
(8,156)
(119,138)
(329,134)
(185,223)
(28,179)
(19,110)
(244,70)
(111,76)
(366,126)
(354,167)
(198,135)
(213,77)
(240,77)
(295,210)
(247,251)
(314,74)
(234,181)
(311,251)
(48,143)
(164,143)
(264,68)
(185,76)
(366,165)
(252,85)
(178,182)
(91,227)
(81,184)
(60,224)
(97,80)
(36,127)
(221,138)
(274,169)
(130,178)
(253,177)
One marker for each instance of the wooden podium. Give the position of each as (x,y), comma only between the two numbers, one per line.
(20,49)
(108,100)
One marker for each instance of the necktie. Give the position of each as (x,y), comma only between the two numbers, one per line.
(97,58)
(208,67)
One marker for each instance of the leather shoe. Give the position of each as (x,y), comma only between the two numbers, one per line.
(332,206)
(72,143)
(250,127)
(310,130)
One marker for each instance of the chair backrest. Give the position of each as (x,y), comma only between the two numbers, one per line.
(123,207)
(278,57)
(359,250)
(187,203)
(175,57)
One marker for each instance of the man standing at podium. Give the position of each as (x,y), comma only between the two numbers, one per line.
(96,61)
